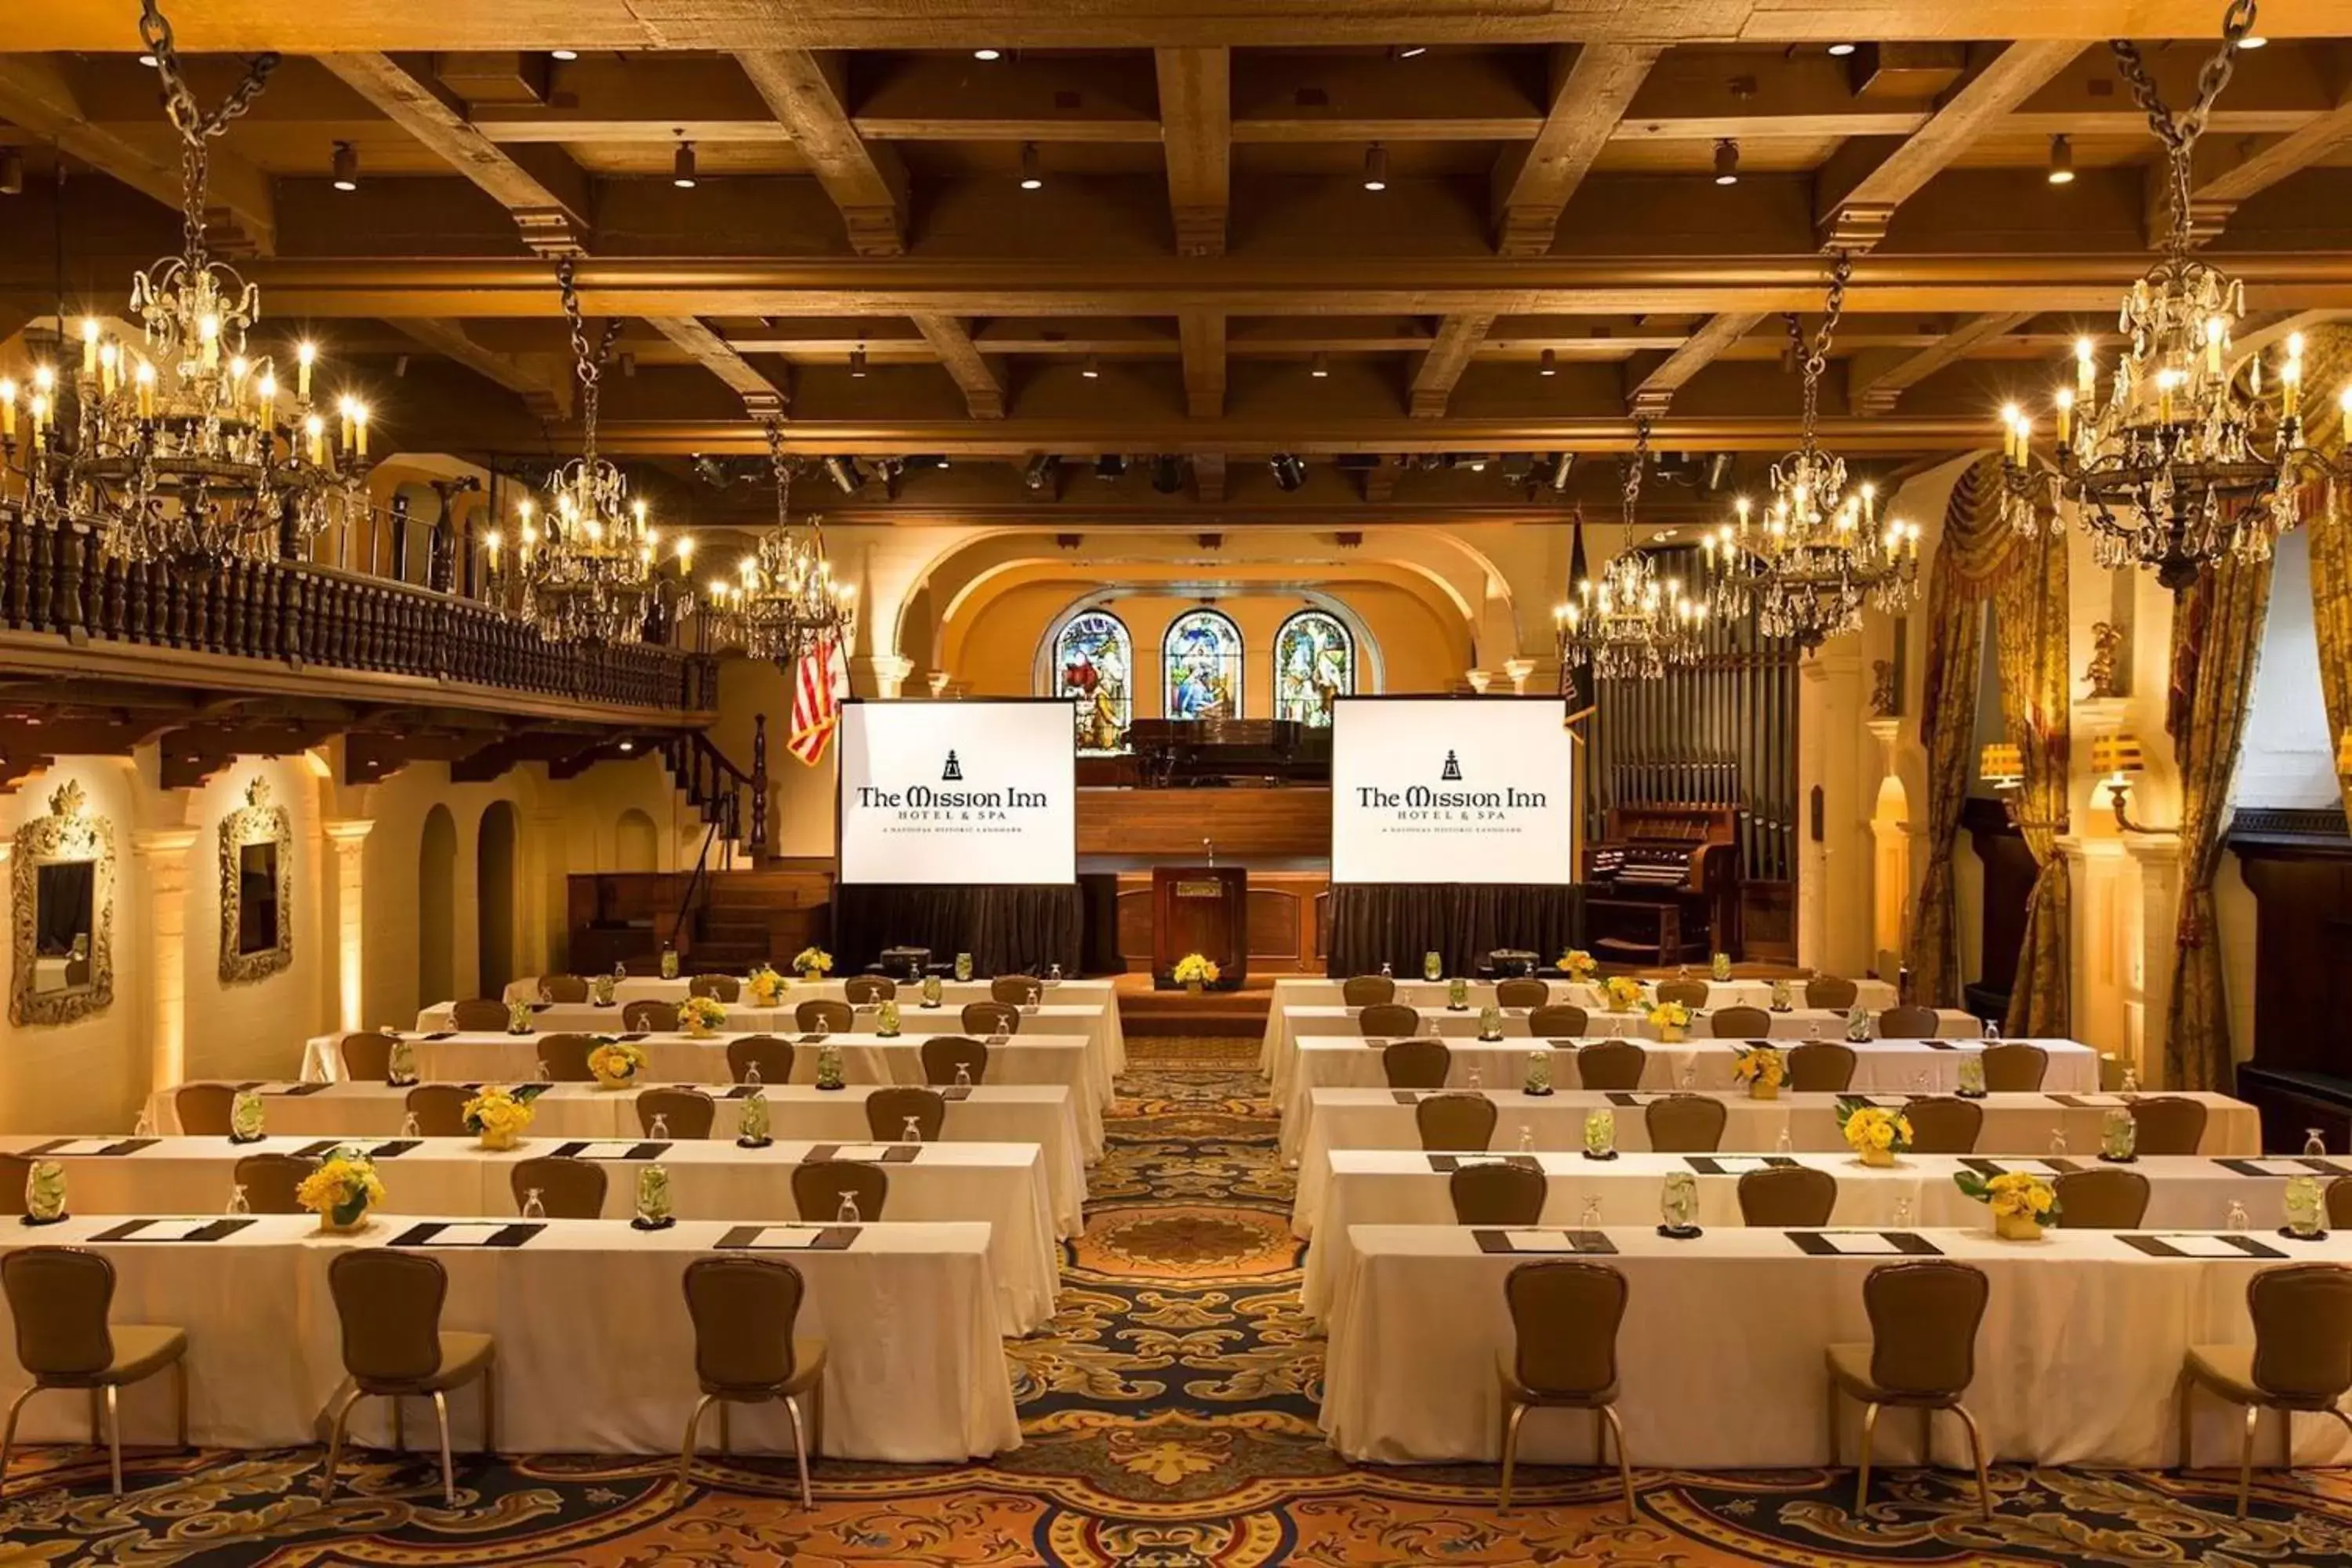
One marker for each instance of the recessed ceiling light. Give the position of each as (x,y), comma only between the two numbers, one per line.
(1033,175)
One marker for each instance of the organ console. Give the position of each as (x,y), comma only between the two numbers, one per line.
(1181,752)
(1662,884)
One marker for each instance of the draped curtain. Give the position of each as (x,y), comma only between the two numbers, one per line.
(2031,645)
(2329,521)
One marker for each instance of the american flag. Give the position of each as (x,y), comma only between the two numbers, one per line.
(819,683)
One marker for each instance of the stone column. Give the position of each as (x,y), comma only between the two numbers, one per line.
(880,675)
(348,837)
(2150,955)
(164,866)
(1521,670)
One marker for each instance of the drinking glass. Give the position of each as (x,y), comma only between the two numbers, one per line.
(660,1129)
(823,1029)
(963,1075)
(912,1132)
(2131,1079)
(1784,1144)
(1992,1031)
(532,1208)
(2058,1142)
(538,1071)
(237,1201)
(847,1213)
(1903,1214)
(2236,1220)
(1590,1218)
(2315,1146)
(1527,1138)
(144,1127)
(1477,1077)
(408,1127)
(751,1075)
(1687,1077)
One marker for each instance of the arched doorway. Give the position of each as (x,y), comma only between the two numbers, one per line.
(436,892)
(634,846)
(1890,830)
(494,893)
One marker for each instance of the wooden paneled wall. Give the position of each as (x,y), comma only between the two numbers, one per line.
(1287,822)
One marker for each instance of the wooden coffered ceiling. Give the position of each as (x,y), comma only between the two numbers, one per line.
(1202,273)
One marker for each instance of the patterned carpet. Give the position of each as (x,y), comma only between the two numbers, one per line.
(1170,1414)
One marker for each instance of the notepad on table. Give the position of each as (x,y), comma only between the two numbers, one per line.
(616,1149)
(868,1152)
(782,1238)
(467,1233)
(81,1146)
(1859,1243)
(1740,1165)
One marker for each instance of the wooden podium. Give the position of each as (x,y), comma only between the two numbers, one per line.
(1202,909)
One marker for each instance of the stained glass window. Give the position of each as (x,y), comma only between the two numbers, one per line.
(1202,660)
(1314,661)
(1093,660)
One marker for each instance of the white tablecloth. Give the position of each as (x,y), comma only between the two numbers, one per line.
(1064,1059)
(1041,1114)
(914,1369)
(1882,1067)
(1395,1186)
(1000,1183)
(1720,1352)
(2014,1124)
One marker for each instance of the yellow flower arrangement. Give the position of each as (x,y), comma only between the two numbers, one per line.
(1872,1132)
(1578,964)
(1623,991)
(341,1190)
(2020,1202)
(1670,1016)
(1193,969)
(767,986)
(701,1015)
(810,961)
(499,1115)
(616,1061)
(1762,1068)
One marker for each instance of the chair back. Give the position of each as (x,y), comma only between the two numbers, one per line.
(1685,1123)
(1454,1122)
(723,988)
(1564,1315)
(2015,1067)
(1793,1197)
(2339,1200)
(1387,1021)
(1016,989)
(836,1017)
(1367,990)
(2103,1199)
(1416,1064)
(390,1305)
(2167,1124)
(2303,1331)
(439,1109)
(817,1189)
(1822,1067)
(744,1310)
(1612,1064)
(1908,1024)
(1689,993)
(1923,1326)
(687,1112)
(991,1018)
(562,988)
(17,1173)
(1521,991)
(942,1054)
(1741,1024)
(367,1057)
(204,1109)
(864,990)
(1943,1125)
(567,1188)
(886,1110)
(270,1181)
(565,1057)
(1496,1194)
(59,1297)
(1558,1021)
(1830,991)
(477,1015)
(656,1017)
(772,1056)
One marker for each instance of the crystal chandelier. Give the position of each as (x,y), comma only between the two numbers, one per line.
(785,600)
(2183,463)
(1631,625)
(1817,554)
(183,446)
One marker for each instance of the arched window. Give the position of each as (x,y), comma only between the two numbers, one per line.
(1093,665)
(1314,661)
(1202,660)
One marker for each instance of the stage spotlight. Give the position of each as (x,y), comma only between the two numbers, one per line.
(346,167)
(1289,473)
(1551,472)
(845,473)
(1549,364)
(1037,474)
(12,172)
(1032,173)
(858,363)
(681,167)
(2062,161)
(1718,471)
(1375,167)
(1727,162)
(1167,474)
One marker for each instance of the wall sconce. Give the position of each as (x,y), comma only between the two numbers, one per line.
(2002,765)
(2119,756)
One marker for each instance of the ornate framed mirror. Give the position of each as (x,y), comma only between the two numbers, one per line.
(62,878)
(256,888)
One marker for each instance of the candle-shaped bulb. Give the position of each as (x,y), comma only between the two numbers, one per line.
(493,541)
(685,548)
(89,344)
(306,354)
(360,425)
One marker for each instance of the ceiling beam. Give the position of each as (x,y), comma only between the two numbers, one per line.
(1203,336)
(1655,391)
(808,93)
(1531,182)
(2211,201)
(763,398)
(543,381)
(1877,391)
(1433,379)
(952,341)
(1196,121)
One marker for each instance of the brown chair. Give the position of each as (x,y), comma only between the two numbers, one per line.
(745,1352)
(439,1109)
(1821,1067)
(1741,1024)
(562,988)
(395,1347)
(864,990)
(1685,1123)
(1016,989)
(2015,1066)
(2339,1200)
(1387,1021)
(270,1181)
(1829,990)
(990,1018)
(1521,991)
(1494,1193)
(1564,1320)
(2104,1199)
(817,1190)
(687,1112)
(1367,990)
(478,1016)
(942,1054)
(59,1297)
(1558,1021)
(564,1057)
(888,1108)
(1943,1125)
(1787,1197)
(772,1056)
(1921,1356)
(1453,1124)
(567,1188)
(367,1057)
(1416,1064)
(1691,994)
(821,1012)
(1908,1024)
(204,1109)
(15,1175)
(2167,1124)
(653,1017)
(2301,1358)
(721,988)
(1611,1065)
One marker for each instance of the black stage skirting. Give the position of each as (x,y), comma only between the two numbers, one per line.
(1397,922)
(1007,930)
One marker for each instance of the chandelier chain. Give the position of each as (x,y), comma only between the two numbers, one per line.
(783,467)
(588,364)
(1633,474)
(2178,132)
(1814,356)
(196,127)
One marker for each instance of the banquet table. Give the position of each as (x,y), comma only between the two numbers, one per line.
(1396,1186)
(915,1372)
(1881,1067)
(1064,1059)
(1041,1114)
(1720,1351)
(1000,1183)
